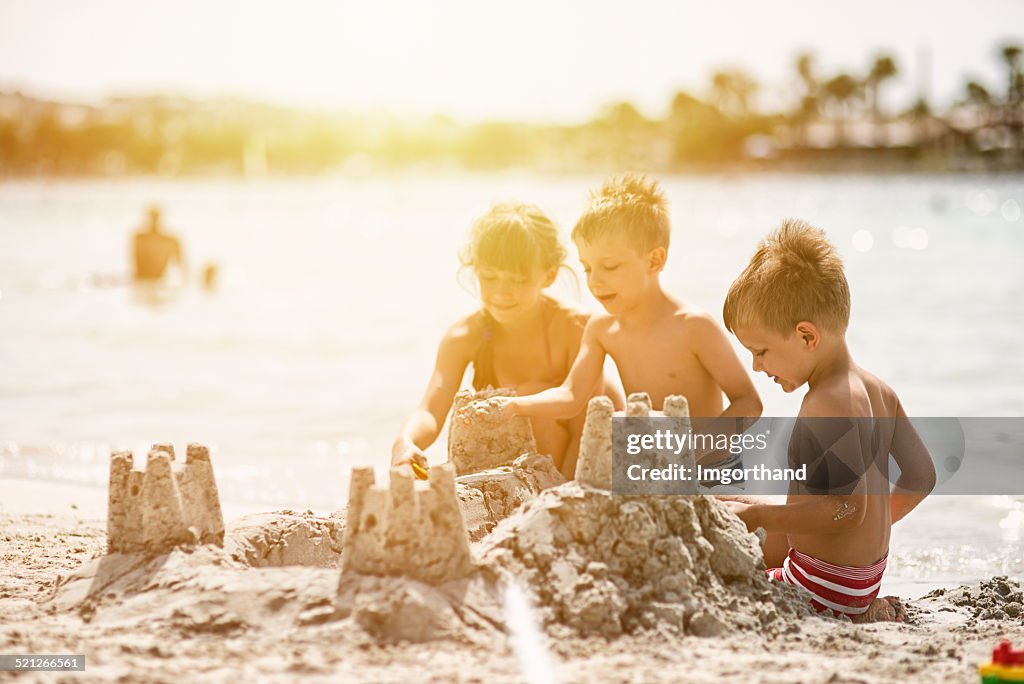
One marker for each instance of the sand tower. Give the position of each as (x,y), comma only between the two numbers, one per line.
(408,528)
(484,440)
(165,505)
(594,467)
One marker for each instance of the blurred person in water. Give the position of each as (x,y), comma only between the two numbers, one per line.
(153,250)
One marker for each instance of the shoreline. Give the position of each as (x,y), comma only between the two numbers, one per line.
(447,172)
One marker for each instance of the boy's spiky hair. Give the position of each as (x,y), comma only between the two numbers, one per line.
(795,275)
(630,205)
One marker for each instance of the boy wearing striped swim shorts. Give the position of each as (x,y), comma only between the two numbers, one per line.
(790,308)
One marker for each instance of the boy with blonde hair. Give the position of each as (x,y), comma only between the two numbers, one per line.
(790,307)
(660,344)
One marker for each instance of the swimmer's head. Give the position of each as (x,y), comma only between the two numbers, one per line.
(153,215)
(515,251)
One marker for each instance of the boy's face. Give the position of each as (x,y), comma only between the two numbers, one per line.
(786,359)
(509,296)
(617,272)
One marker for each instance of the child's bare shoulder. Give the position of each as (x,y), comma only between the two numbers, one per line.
(568,316)
(860,394)
(698,326)
(826,402)
(465,335)
(691,316)
(601,322)
(883,398)
(600,327)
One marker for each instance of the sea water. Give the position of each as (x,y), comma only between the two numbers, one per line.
(333,292)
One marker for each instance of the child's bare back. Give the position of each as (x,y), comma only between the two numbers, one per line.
(855,398)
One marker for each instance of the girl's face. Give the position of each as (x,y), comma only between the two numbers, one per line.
(509,296)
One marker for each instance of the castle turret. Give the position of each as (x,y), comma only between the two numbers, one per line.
(410,528)
(201,498)
(594,466)
(166,505)
(480,438)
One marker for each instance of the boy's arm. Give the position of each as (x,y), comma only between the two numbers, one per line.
(917,472)
(711,347)
(805,514)
(422,426)
(607,385)
(568,399)
(831,446)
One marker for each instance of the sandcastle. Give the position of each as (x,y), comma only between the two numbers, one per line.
(597,563)
(166,505)
(594,467)
(479,438)
(592,562)
(409,528)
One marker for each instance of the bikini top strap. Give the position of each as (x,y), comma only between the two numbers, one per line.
(545,324)
(483,362)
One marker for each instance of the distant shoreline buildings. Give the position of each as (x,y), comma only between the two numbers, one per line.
(834,124)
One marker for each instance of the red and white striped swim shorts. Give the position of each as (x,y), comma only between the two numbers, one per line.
(843,589)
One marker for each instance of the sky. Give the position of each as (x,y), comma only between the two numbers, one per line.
(535,60)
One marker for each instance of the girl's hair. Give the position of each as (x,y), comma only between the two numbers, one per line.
(514,237)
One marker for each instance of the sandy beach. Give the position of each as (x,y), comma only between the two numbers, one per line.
(372,342)
(246,611)
(200,614)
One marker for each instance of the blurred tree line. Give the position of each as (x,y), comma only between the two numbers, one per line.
(826,121)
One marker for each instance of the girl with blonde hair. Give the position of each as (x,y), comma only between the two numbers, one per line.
(520,338)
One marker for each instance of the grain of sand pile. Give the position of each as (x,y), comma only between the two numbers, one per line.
(617,584)
(601,564)
(594,564)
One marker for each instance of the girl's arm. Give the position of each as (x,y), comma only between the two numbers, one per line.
(423,425)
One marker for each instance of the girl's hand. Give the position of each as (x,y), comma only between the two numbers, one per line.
(406,454)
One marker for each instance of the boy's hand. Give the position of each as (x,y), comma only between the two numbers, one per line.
(505,407)
(745,512)
(495,408)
